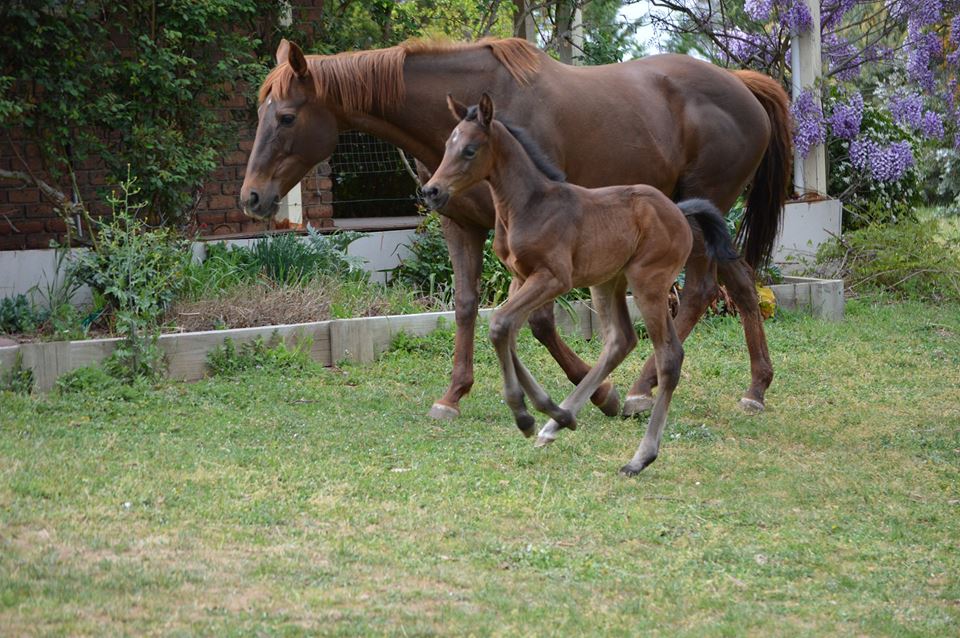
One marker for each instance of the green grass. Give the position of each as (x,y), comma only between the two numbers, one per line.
(325,502)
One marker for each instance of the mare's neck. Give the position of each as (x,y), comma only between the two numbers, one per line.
(422,122)
(515,179)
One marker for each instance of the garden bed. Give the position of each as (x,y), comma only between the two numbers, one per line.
(357,340)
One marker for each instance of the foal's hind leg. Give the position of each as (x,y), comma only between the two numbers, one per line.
(700,288)
(668,353)
(618,340)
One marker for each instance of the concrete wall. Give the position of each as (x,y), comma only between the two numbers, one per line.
(23,270)
(806,225)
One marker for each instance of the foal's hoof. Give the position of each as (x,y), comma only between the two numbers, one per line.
(544,441)
(442,411)
(610,405)
(637,404)
(527,425)
(751,406)
(633,468)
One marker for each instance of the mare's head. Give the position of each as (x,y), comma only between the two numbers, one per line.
(467,158)
(295,132)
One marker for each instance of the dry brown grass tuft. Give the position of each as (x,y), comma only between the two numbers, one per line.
(259,304)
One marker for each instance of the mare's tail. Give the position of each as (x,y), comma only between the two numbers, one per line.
(762,219)
(716,236)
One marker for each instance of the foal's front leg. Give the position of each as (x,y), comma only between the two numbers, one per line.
(536,290)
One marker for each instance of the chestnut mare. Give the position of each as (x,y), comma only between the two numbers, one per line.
(683,126)
(555,236)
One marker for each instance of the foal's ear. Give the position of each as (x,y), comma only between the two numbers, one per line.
(459,110)
(485,110)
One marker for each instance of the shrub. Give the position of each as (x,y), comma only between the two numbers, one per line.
(17,379)
(19,314)
(908,260)
(227,359)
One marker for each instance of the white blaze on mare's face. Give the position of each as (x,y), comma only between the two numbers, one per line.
(455,135)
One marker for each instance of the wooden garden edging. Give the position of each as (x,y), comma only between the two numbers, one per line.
(357,340)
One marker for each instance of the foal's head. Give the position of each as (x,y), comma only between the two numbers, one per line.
(295,132)
(468,158)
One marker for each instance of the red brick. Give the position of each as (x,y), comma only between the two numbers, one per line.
(40,240)
(24,196)
(324,184)
(246,145)
(97,178)
(3,196)
(319,212)
(230,188)
(225,229)
(222,174)
(253,227)
(43,209)
(29,227)
(56,225)
(13,242)
(326,197)
(210,218)
(236,216)
(221,202)
(236,158)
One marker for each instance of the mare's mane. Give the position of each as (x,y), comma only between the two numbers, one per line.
(364,80)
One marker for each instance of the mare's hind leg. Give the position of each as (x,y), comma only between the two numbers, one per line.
(668,353)
(544,327)
(700,288)
(618,340)
(538,289)
(739,279)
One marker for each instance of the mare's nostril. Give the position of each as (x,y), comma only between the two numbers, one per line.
(254,198)
(430,191)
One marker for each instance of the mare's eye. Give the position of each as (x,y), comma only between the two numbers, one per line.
(469,153)
(287,119)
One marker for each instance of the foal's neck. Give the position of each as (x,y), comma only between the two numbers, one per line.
(515,179)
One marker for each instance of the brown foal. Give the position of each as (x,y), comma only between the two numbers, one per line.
(555,236)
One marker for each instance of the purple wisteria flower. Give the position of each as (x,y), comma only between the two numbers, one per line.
(883,163)
(931,126)
(808,130)
(759,10)
(796,17)
(907,110)
(846,118)
(833,11)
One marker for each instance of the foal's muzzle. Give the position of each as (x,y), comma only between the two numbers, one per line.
(258,206)
(434,198)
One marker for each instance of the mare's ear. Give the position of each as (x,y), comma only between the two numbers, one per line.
(290,53)
(485,110)
(459,110)
(283,51)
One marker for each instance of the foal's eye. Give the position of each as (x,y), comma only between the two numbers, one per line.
(287,119)
(469,153)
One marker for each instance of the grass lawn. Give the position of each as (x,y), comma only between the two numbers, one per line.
(328,503)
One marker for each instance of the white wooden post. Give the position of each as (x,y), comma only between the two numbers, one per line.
(809,173)
(291,206)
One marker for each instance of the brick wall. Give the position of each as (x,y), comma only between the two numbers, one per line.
(27,220)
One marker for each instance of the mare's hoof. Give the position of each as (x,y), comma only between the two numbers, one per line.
(527,425)
(632,468)
(751,406)
(441,411)
(637,404)
(611,404)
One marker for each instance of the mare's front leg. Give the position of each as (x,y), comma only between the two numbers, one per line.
(540,288)
(465,243)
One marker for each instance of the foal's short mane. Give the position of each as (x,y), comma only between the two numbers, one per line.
(363,80)
(533,150)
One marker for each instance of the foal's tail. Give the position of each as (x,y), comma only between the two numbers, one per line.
(762,219)
(701,214)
